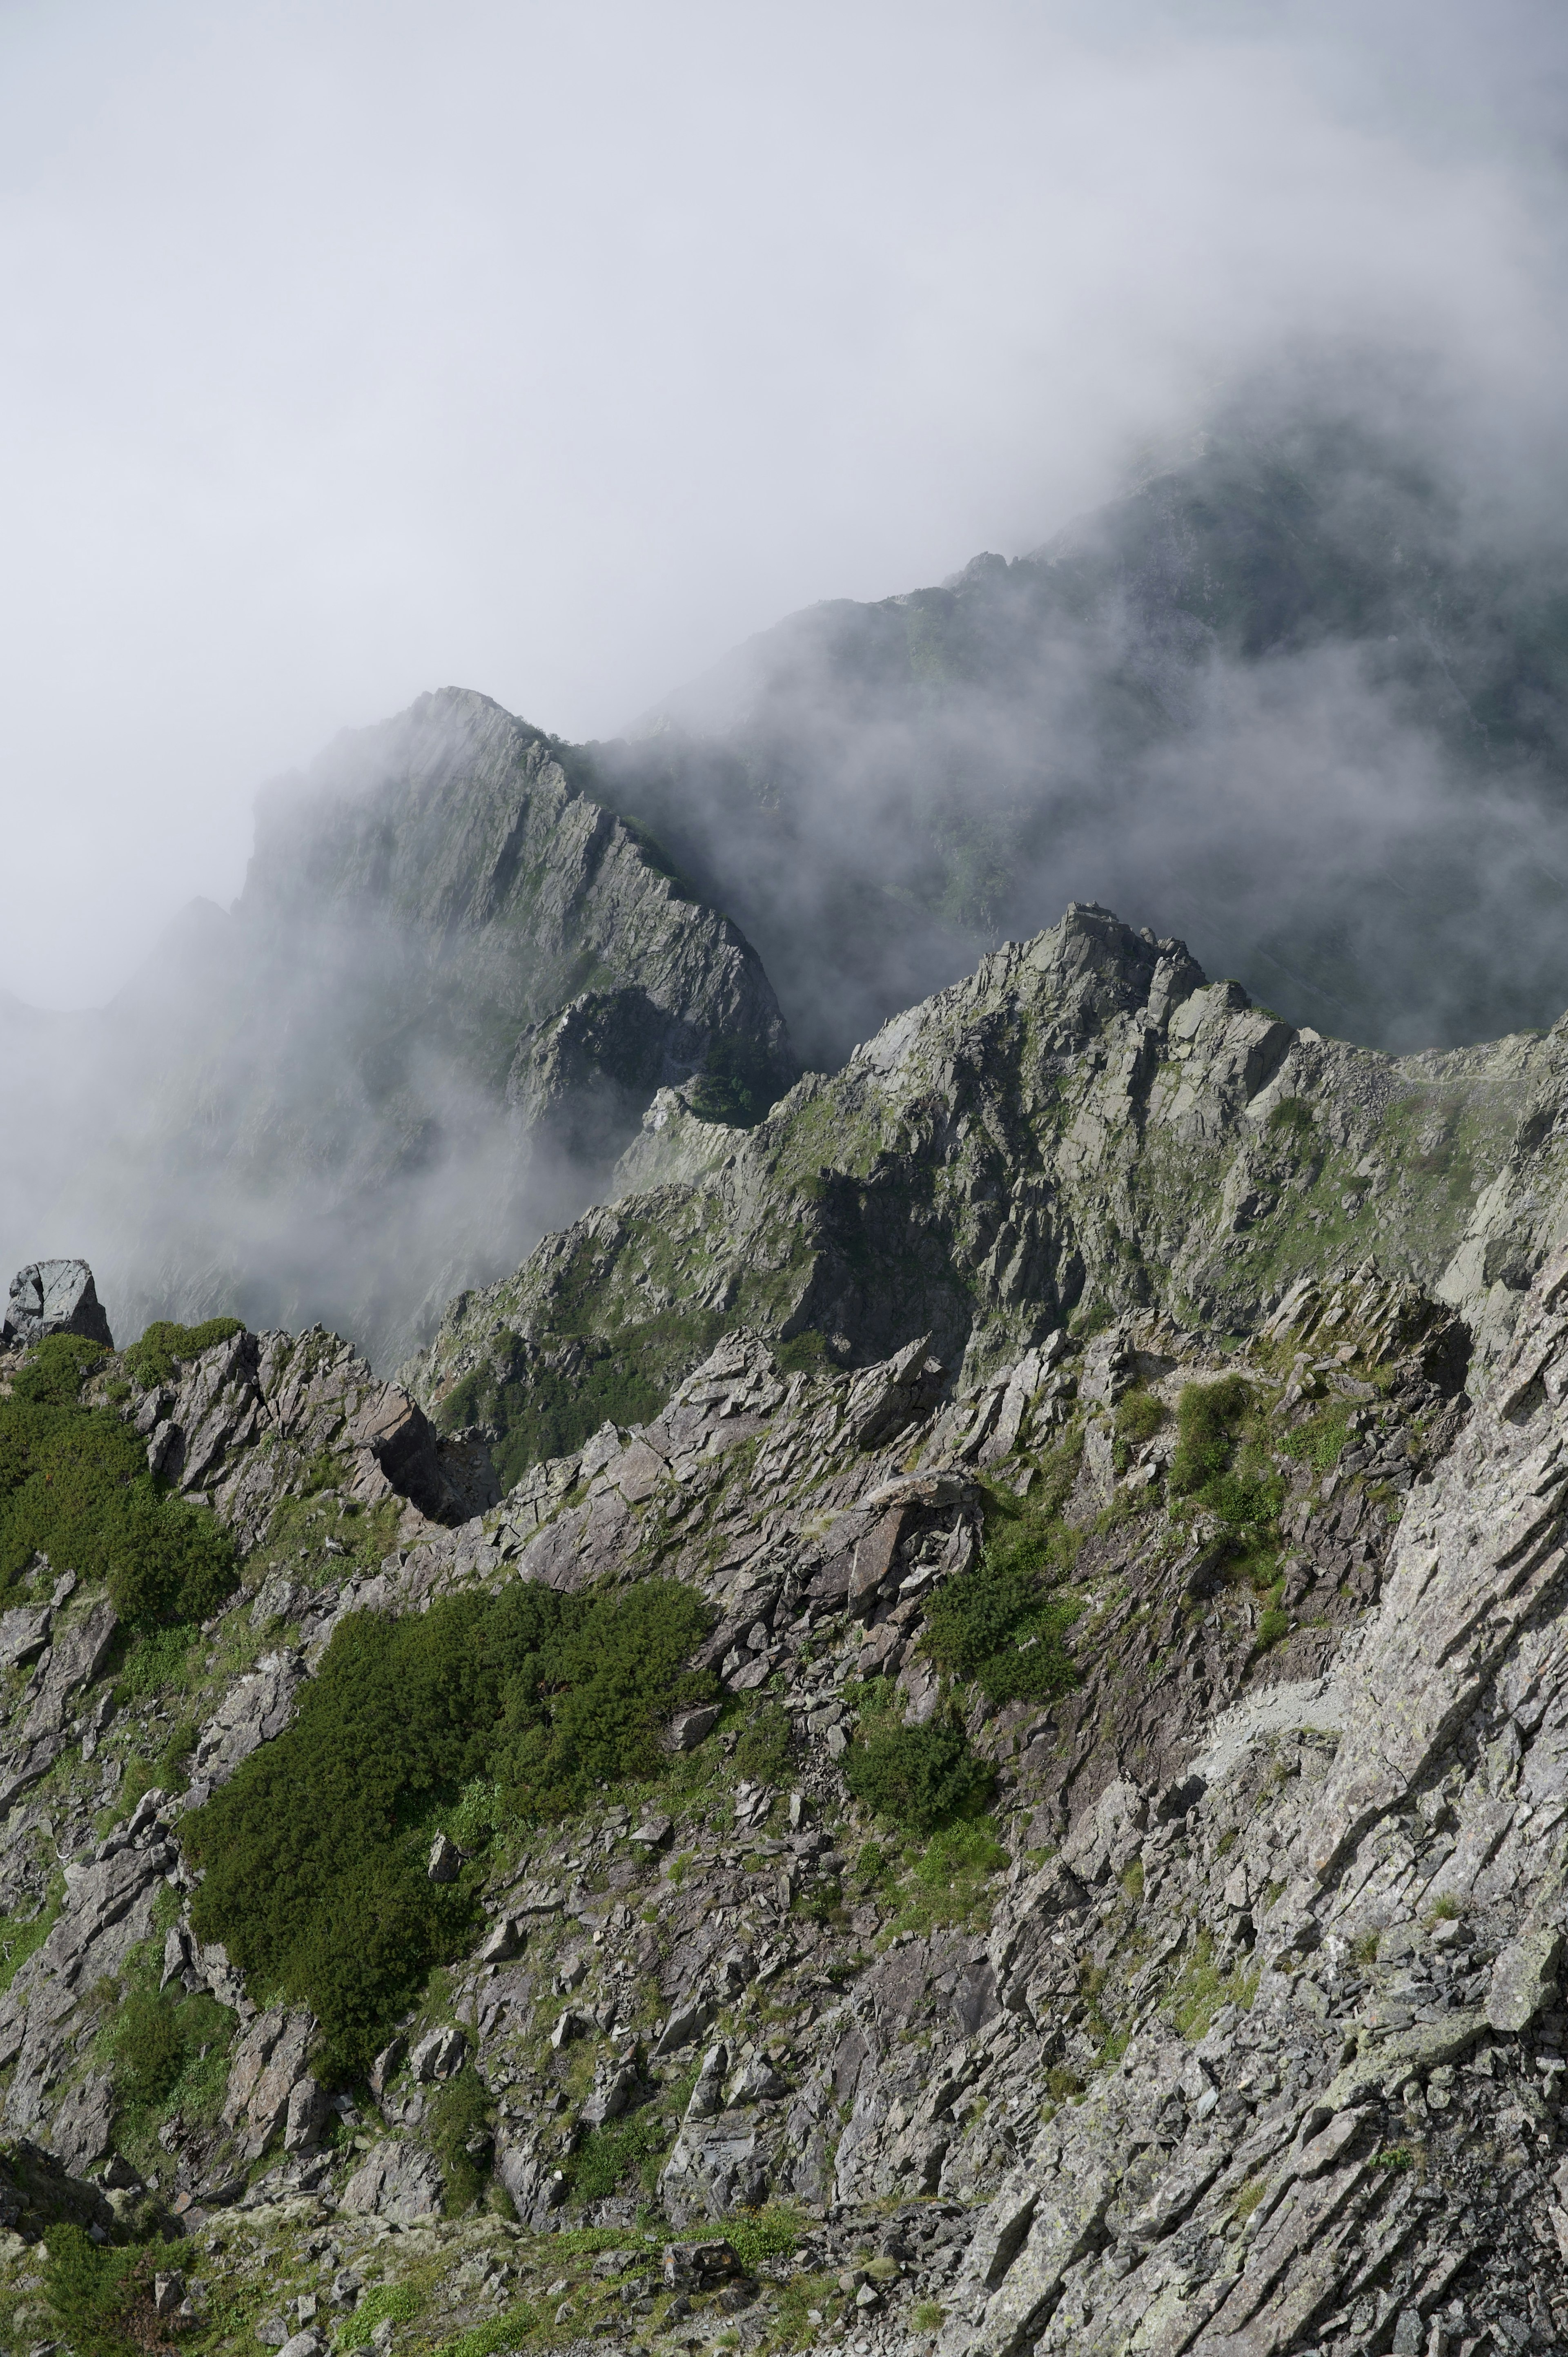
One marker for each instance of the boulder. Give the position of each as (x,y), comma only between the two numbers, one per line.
(400,2181)
(54,1296)
(24,1631)
(1524,1980)
(439,2056)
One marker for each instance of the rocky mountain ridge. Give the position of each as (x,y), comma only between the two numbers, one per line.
(1215,2031)
(1028,1814)
(1086,1123)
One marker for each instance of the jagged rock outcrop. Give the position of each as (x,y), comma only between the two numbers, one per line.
(54,1296)
(434,1015)
(1086,1123)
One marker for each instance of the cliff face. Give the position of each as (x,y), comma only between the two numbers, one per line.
(436,1015)
(1085,1124)
(1215,2007)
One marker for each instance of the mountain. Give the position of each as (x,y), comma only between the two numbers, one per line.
(436,1014)
(1086,1126)
(1046,1836)
(1301,698)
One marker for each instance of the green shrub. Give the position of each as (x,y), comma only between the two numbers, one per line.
(1209,1417)
(157,2041)
(759,2235)
(919,1777)
(151,1361)
(1274,1628)
(55,1373)
(461,2118)
(1000,1624)
(1292,1117)
(1319,1440)
(383,2303)
(501,2333)
(1221,1463)
(763,1752)
(315,1852)
(1138,1416)
(74,1483)
(953,1876)
(630,2147)
(90,2289)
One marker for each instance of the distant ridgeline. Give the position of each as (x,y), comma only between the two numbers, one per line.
(1087,1126)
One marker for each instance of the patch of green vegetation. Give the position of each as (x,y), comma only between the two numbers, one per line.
(158,1662)
(549,1410)
(1221,1464)
(1203,1988)
(502,2333)
(1138,1416)
(1319,1438)
(921,1778)
(951,1881)
(737,1085)
(1274,1628)
(314,1853)
(1397,2157)
(804,1354)
(396,2303)
(459,2137)
(153,1360)
(763,1751)
(22,1937)
(608,2156)
(94,2289)
(74,1483)
(1063,2083)
(1291,1118)
(1002,1624)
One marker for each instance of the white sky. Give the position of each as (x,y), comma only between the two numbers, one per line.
(347,350)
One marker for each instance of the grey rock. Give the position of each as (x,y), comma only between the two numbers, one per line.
(446,1860)
(440,2055)
(688,1728)
(400,2181)
(74,1660)
(54,1296)
(1524,1980)
(81,2128)
(258,1706)
(24,1631)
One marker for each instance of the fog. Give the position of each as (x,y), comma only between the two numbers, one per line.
(558,353)
(553,350)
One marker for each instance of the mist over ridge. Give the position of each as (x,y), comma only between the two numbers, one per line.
(1301,698)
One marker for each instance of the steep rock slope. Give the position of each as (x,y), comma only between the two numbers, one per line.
(449,988)
(1215,2009)
(1085,1124)
(1295,698)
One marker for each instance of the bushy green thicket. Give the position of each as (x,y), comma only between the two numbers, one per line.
(1220,1460)
(152,1360)
(91,2290)
(315,1852)
(919,1777)
(156,2038)
(461,2120)
(1004,1623)
(74,1483)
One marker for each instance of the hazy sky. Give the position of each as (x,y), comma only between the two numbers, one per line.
(349,350)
